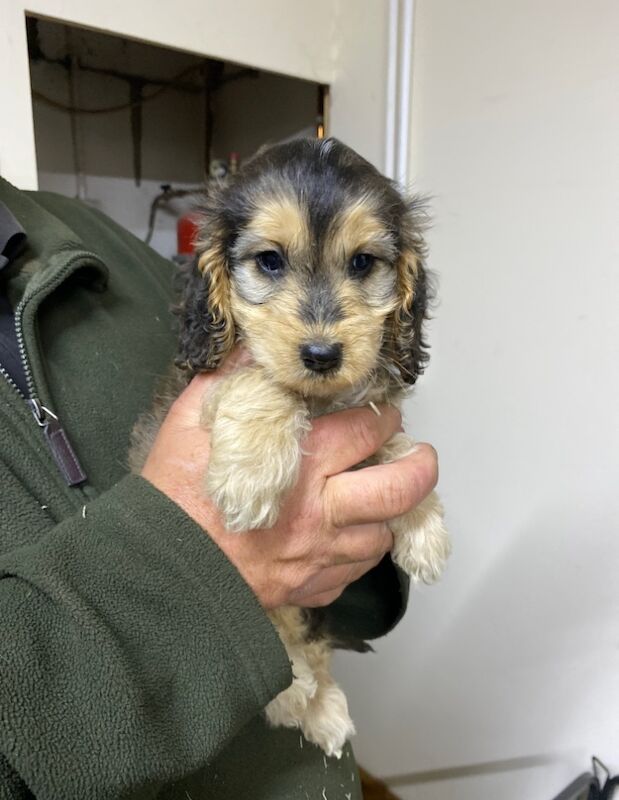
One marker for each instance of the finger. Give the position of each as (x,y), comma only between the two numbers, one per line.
(321,600)
(382,492)
(346,438)
(328,596)
(332,579)
(362,543)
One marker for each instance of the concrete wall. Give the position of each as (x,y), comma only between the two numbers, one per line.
(247,113)
(338,42)
(514,658)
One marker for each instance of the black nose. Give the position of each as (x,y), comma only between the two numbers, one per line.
(321,357)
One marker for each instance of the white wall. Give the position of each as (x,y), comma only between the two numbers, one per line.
(516,653)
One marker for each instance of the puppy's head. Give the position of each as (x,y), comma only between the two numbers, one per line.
(315,261)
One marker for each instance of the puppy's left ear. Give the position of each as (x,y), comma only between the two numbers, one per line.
(207,331)
(414,296)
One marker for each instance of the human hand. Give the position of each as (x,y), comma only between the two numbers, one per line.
(333,525)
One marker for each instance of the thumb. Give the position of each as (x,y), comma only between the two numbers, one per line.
(189,401)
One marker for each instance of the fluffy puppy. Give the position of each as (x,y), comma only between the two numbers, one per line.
(315,262)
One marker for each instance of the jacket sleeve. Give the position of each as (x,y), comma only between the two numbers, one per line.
(131,650)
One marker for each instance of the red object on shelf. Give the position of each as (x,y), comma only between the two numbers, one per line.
(187,229)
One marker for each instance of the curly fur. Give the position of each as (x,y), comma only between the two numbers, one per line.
(316,205)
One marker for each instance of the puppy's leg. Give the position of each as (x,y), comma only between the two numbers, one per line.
(326,721)
(314,703)
(421,542)
(256,431)
(288,708)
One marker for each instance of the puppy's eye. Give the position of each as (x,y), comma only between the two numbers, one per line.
(361,264)
(270,262)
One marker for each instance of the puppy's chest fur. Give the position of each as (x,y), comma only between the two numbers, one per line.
(381,388)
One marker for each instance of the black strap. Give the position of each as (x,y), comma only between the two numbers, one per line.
(610,788)
(12,239)
(12,236)
(10,357)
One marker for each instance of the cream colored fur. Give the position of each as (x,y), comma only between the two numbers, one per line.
(420,541)
(257,427)
(313,702)
(315,293)
(256,430)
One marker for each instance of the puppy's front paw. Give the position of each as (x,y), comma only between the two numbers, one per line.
(421,542)
(256,431)
(246,496)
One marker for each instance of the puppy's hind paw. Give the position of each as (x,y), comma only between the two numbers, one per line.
(327,722)
(290,706)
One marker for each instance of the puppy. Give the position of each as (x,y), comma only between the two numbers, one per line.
(315,262)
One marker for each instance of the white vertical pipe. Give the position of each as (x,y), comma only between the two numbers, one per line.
(392,89)
(404,86)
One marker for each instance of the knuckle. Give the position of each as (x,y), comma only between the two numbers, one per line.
(352,573)
(396,497)
(381,542)
(422,483)
(386,541)
(292,581)
(427,465)
(362,430)
(337,501)
(371,431)
(323,561)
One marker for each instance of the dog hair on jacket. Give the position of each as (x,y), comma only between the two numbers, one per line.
(314,261)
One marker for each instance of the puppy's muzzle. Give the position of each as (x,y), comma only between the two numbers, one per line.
(321,357)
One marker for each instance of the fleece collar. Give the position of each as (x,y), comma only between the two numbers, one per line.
(51,246)
(50,255)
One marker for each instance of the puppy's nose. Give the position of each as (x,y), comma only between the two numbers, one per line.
(321,357)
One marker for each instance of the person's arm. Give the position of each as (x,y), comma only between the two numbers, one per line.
(131,650)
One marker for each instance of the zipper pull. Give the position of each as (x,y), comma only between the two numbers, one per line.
(58,442)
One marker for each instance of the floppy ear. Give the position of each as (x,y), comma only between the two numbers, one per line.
(414,295)
(207,331)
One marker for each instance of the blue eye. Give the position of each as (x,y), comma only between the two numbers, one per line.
(270,261)
(361,264)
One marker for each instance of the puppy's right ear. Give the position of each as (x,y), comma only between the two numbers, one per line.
(207,331)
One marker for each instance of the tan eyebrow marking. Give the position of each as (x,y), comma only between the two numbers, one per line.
(356,228)
(282,221)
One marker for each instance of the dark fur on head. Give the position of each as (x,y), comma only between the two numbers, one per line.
(321,181)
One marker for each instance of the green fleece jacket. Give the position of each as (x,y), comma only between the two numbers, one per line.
(134,660)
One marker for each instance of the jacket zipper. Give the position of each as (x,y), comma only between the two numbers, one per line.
(53,432)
